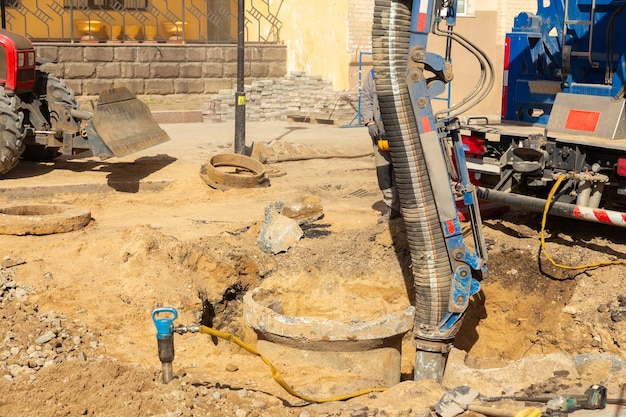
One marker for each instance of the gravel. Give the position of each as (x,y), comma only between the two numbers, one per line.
(32,339)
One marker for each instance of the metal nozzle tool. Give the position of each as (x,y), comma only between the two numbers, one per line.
(165,340)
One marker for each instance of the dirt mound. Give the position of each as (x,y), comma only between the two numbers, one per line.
(78,338)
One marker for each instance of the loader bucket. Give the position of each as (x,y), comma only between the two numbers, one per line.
(122,124)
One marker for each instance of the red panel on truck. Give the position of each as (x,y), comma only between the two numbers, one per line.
(587,121)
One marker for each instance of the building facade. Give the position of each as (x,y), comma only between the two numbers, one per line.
(326,38)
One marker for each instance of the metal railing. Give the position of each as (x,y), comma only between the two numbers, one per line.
(143,21)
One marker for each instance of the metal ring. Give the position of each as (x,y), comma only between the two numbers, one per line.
(248,172)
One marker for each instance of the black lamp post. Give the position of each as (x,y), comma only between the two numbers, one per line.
(3,8)
(240,95)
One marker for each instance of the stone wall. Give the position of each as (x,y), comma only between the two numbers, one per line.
(164,69)
(160,69)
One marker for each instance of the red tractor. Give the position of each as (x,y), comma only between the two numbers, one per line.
(40,119)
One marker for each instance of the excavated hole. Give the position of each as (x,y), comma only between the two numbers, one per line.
(226,314)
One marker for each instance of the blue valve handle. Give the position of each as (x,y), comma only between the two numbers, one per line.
(164,325)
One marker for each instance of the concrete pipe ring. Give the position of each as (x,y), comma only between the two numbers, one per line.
(42,219)
(225,171)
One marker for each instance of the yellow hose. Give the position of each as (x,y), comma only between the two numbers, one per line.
(276,375)
(543,238)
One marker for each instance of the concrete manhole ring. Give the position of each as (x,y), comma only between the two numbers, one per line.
(356,354)
(225,171)
(264,319)
(42,219)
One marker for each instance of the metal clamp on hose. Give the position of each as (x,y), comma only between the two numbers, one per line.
(433,346)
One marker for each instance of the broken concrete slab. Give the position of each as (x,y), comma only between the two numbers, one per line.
(279,233)
(508,379)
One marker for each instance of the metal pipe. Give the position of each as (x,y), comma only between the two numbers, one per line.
(166,356)
(182,18)
(3,5)
(584,193)
(570,211)
(596,194)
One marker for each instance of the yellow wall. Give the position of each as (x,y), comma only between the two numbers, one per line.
(315,33)
(56,26)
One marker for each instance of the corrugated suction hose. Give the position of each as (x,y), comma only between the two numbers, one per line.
(431,266)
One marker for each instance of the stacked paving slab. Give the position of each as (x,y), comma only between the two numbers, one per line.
(296,97)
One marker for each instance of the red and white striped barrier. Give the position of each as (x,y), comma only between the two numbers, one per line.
(613,218)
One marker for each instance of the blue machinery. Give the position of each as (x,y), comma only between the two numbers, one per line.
(356,120)
(446,273)
(569,47)
(563,112)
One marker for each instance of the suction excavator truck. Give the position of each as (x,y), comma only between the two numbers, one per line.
(563,114)
(40,119)
(563,122)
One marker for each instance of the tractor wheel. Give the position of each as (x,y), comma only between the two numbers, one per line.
(57,95)
(11,135)
(55,90)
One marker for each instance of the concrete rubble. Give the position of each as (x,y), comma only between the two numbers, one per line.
(281,229)
(279,233)
(58,339)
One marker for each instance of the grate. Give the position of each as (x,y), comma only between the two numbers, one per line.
(360,193)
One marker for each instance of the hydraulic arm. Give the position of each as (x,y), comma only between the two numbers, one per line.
(430,170)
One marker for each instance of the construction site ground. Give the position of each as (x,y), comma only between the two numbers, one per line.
(78,337)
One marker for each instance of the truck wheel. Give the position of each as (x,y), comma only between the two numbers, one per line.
(11,136)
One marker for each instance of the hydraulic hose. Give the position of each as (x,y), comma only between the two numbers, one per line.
(276,374)
(431,266)
(483,85)
(542,234)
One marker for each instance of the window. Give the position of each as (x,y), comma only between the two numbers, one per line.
(460,7)
(464,8)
